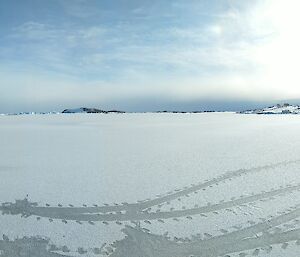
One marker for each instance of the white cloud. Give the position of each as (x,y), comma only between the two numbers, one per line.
(245,52)
(36,31)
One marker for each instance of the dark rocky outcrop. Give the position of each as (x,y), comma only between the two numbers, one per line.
(89,110)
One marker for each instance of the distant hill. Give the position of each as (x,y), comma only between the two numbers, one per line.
(75,110)
(276,109)
(89,110)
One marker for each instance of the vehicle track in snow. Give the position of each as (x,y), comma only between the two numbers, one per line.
(142,205)
(29,209)
(138,242)
(255,237)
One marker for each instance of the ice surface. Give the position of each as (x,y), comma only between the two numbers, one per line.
(63,162)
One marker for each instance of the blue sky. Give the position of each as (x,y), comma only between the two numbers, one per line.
(147,55)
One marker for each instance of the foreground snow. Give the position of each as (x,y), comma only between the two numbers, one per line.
(155,185)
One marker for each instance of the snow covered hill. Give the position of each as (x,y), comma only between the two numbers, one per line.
(83,110)
(88,110)
(75,110)
(276,109)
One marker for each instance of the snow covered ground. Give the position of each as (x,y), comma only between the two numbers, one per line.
(210,184)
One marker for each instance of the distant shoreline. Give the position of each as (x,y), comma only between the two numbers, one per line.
(271,110)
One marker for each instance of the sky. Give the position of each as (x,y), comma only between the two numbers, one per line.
(147,55)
